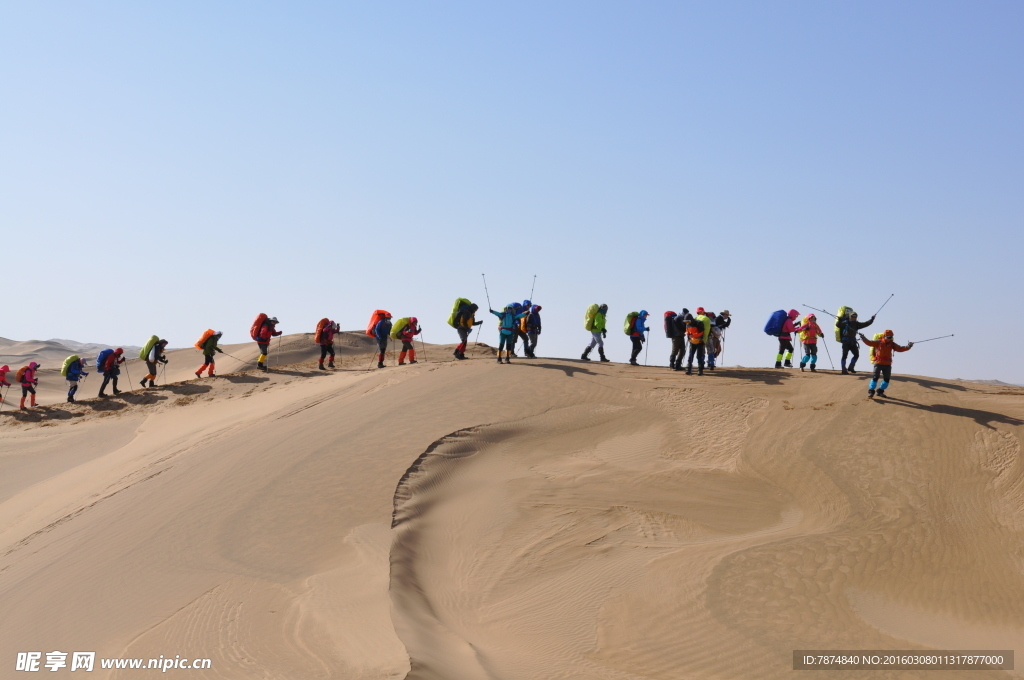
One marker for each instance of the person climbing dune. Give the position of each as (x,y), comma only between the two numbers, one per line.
(883,361)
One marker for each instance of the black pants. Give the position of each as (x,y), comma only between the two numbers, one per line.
(264,347)
(110,377)
(151,367)
(521,335)
(406,346)
(678,350)
(208,359)
(785,345)
(325,350)
(852,348)
(697,350)
(883,371)
(532,335)
(73,388)
(382,345)
(638,345)
(27,390)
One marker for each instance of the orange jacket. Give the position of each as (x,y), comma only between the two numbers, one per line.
(883,350)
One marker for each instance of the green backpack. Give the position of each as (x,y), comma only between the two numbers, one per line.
(843,312)
(588,320)
(67,363)
(144,353)
(455,310)
(630,323)
(398,326)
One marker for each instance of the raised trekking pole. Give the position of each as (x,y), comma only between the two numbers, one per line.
(488,307)
(883,304)
(918,342)
(820,310)
(534,286)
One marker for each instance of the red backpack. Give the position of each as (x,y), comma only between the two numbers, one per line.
(257,326)
(320,326)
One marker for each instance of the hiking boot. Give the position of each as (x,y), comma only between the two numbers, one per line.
(499,359)
(852,372)
(116,391)
(711,368)
(401,363)
(871,394)
(801,368)
(689,370)
(788,364)
(456,354)
(460,356)
(212,375)
(321,367)
(586,354)
(152,384)
(603,357)
(845,372)
(700,370)
(802,364)
(143,383)
(102,395)
(813,369)
(412,362)
(330,364)
(380,364)
(778,364)
(508,360)
(632,362)
(881,393)
(199,374)
(259,365)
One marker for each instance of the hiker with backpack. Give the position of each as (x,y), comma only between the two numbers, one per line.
(463,319)
(697,331)
(531,324)
(675,330)
(519,331)
(809,332)
(73,370)
(26,375)
(152,354)
(263,331)
(382,332)
(882,360)
(635,329)
(507,324)
(109,361)
(207,344)
(406,330)
(324,336)
(780,325)
(847,328)
(3,380)
(596,321)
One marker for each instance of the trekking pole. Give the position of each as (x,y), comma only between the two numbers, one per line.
(128,373)
(534,286)
(829,354)
(423,346)
(486,291)
(4,400)
(821,310)
(884,304)
(648,348)
(918,342)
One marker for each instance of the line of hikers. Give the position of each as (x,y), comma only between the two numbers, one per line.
(782,325)
(698,335)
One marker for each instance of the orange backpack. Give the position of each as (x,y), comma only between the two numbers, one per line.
(257,325)
(696,335)
(205,336)
(377,315)
(20,375)
(320,326)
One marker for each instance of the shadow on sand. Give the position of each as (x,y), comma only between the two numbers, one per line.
(983,418)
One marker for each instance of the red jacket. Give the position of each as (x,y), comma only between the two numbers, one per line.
(266,332)
(883,350)
(112,361)
(408,332)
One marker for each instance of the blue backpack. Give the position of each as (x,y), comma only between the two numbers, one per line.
(102,358)
(775,321)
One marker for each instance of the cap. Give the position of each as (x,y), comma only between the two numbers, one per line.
(700,310)
(273,319)
(118,351)
(724,312)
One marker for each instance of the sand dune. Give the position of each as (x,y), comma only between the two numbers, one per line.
(548,519)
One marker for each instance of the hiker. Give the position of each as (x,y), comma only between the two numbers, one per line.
(521,311)
(596,321)
(532,327)
(406,335)
(636,335)
(507,319)
(109,361)
(849,327)
(382,332)
(883,361)
(266,332)
(463,319)
(4,370)
(207,344)
(73,372)
(786,340)
(326,342)
(809,332)
(675,330)
(697,331)
(26,375)
(156,355)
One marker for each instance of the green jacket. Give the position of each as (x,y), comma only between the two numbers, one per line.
(599,322)
(210,346)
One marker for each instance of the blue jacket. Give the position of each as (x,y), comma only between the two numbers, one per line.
(638,326)
(382,329)
(75,370)
(533,323)
(507,319)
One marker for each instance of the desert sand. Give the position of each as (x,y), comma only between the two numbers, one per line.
(547,519)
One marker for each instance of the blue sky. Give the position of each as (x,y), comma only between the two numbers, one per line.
(171,167)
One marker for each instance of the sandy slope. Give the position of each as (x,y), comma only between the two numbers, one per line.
(548,519)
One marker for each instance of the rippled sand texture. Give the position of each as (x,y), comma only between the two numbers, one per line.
(548,519)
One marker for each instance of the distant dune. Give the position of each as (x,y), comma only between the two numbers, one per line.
(50,352)
(546,519)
